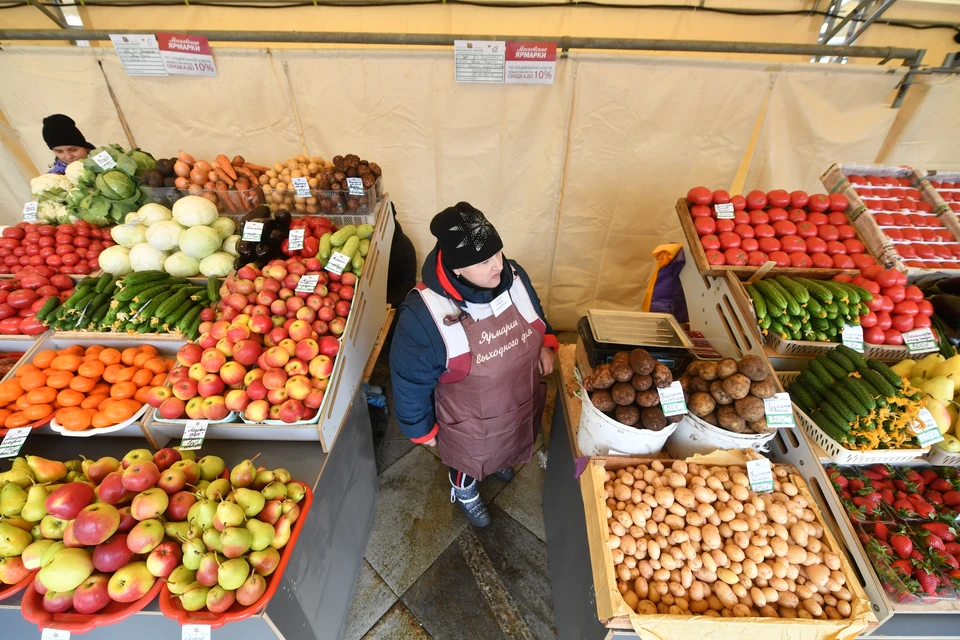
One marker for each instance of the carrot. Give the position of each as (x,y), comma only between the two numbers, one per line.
(224,163)
(256,167)
(212,175)
(222,176)
(237,161)
(242,183)
(224,193)
(243,171)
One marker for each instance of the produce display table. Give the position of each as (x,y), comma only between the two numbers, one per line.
(316,591)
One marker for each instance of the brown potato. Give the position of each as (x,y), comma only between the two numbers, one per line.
(653,418)
(621,371)
(642,362)
(674,419)
(627,415)
(620,357)
(726,368)
(648,398)
(721,396)
(764,388)
(693,369)
(641,383)
(753,367)
(602,377)
(701,404)
(624,394)
(711,418)
(760,426)
(698,384)
(685,383)
(662,376)
(729,420)
(708,371)
(749,408)
(737,386)
(602,400)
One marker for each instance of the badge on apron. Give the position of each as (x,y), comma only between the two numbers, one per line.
(501,303)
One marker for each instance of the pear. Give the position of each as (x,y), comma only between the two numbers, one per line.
(211,467)
(949,368)
(282,475)
(264,477)
(262,534)
(22,477)
(211,538)
(233,573)
(202,513)
(243,474)
(51,551)
(195,597)
(218,490)
(201,486)
(12,499)
(250,501)
(941,388)
(228,514)
(219,599)
(74,465)
(46,470)
(209,567)
(281,532)
(36,506)
(290,509)
(940,414)
(251,590)
(276,490)
(20,463)
(180,579)
(904,368)
(235,541)
(925,365)
(264,562)
(33,554)
(182,531)
(950,443)
(193,551)
(186,455)
(13,540)
(295,491)
(19,522)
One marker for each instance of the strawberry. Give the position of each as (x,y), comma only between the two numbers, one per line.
(871,495)
(941,484)
(886,495)
(916,555)
(902,567)
(928,580)
(934,497)
(881,531)
(947,559)
(951,498)
(902,545)
(911,475)
(953,548)
(881,470)
(941,529)
(925,510)
(856,484)
(933,541)
(928,475)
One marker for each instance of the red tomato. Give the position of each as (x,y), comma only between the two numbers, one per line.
(910,192)
(838,202)
(857,179)
(929,235)
(869,320)
(735,256)
(900,220)
(798,199)
(729,240)
(756,199)
(869,285)
(699,195)
(739,202)
(884,321)
(909,204)
(836,218)
(806,229)
(815,245)
(710,242)
(757,258)
(701,211)
(835,248)
(924,206)
(881,192)
(895,293)
(749,244)
(704,227)
(924,308)
(883,219)
(769,244)
(846,232)
(796,215)
(914,263)
(822,261)
(758,217)
(777,213)
(720,197)
(886,278)
(781,258)
(817,218)
(923,251)
(800,260)
(918,220)
(942,251)
(855,246)
(921,321)
(843,261)
(828,232)
(764,231)
(843,277)
(793,244)
(784,228)
(778,198)
(906,251)
(741,217)
(886,304)
(6,311)
(906,308)
(725,225)
(818,202)
(893,336)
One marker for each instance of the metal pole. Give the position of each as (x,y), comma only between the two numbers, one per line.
(870,20)
(50,14)
(446,40)
(847,18)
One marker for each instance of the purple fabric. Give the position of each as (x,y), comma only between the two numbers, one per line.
(579,465)
(668,292)
(59,167)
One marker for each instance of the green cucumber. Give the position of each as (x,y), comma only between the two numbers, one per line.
(797,290)
(841,360)
(888,374)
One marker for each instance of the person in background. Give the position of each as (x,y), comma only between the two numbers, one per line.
(467,357)
(65,140)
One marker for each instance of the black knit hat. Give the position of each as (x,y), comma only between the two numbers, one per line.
(61,131)
(465,236)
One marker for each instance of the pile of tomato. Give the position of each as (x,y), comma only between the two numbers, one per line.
(66,248)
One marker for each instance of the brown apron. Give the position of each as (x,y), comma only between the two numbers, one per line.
(489,419)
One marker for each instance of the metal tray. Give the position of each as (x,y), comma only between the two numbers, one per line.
(637,328)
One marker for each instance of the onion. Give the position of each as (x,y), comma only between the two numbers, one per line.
(182,183)
(181,168)
(195,189)
(197,176)
(204,166)
(186,157)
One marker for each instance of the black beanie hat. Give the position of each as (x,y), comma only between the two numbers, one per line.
(61,131)
(465,236)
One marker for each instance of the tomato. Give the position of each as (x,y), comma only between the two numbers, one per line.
(909,204)
(700,211)
(914,263)
(929,235)
(758,217)
(54,261)
(857,179)
(781,258)
(815,245)
(739,202)
(806,229)
(885,278)
(895,293)
(846,232)
(699,195)
(907,251)
(843,261)
(741,217)
(796,215)
(838,202)
(924,206)
(869,285)
(881,192)
(855,246)
(893,336)
(869,320)
(768,243)
(735,256)
(778,198)
(720,197)
(749,244)
(10,326)
(822,261)
(729,240)
(710,243)
(714,257)
(886,304)
(757,258)
(311,246)
(906,308)
(818,202)
(756,199)
(835,248)
(765,231)
(6,310)
(923,251)
(792,244)
(942,251)
(63,249)
(777,213)
(798,199)
(784,228)
(891,205)
(924,308)
(921,321)
(912,193)
(836,218)
(918,220)
(800,260)
(883,219)
(884,321)
(725,225)
(828,232)
(900,220)
(704,227)
(22,299)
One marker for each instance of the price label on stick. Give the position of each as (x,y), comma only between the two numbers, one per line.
(853,337)
(296,239)
(13,441)
(724,211)
(926,429)
(302,187)
(104,160)
(760,475)
(30,211)
(671,400)
(308,283)
(779,411)
(920,341)
(355,186)
(337,263)
(252,231)
(54,634)
(193,435)
(194,632)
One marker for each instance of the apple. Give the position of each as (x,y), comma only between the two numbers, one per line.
(237,332)
(140,476)
(342,308)
(321,367)
(196,372)
(145,536)
(164,559)
(246,352)
(213,359)
(190,468)
(277,334)
(92,595)
(237,400)
(276,357)
(172,481)
(315,301)
(218,331)
(314,399)
(296,367)
(166,457)
(347,293)
(261,322)
(257,411)
(297,387)
(177,374)
(247,272)
(307,349)
(299,330)
(189,354)
(256,389)
(67,500)
(156,395)
(185,389)
(274,379)
(337,326)
(69,539)
(329,346)
(127,521)
(275,409)
(179,506)
(326,313)
(130,583)
(172,408)
(291,411)
(111,489)
(98,470)
(277,397)
(214,408)
(306,314)
(206,340)
(289,344)
(211,385)
(57,601)
(95,524)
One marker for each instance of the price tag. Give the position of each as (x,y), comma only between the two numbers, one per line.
(54,634)
(296,239)
(926,429)
(760,475)
(853,337)
(671,400)
(194,632)
(302,187)
(501,303)
(104,160)
(10,446)
(337,263)
(724,211)
(355,186)
(193,435)
(920,341)
(308,283)
(252,231)
(779,411)
(30,211)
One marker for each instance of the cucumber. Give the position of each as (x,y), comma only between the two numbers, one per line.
(146,295)
(171,304)
(89,282)
(340,237)
(364,231)
(140,277)
(759,305)
(839,293)
(879,383)
(834,400)
(802,397)
(793,307)
(364,247)
(78,294)
(813,306)
(841,360)
(48,307)
(812,381)
(797,290)
(832,367)
(82,302)
(325,246)
(189,317)
(193,329)
(105,282)
(772,295)
(807,391)
(213,289)
(350,246)
(821,373)
(863,294)
(131,291)
(830,426)
(850,399)
(888,374)
(764,322)
(859,389)
(817,290)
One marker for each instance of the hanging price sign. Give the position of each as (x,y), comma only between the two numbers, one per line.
(852,337)
(920,341)
(296,239)
(302,187)
(671,400)
(193,435)
(308,283)
(724,211)
(337,263)
(252,231)
(13,441)
(779,410)
(104,160)
(760,475)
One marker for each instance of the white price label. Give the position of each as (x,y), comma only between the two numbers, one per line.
(724,211)
(54,634)
(852,337)
(195,632)
(337,263)
(671,400)
(355,186)
(13,441)
(30,211)
(779,410)
(296,239)
(193,435)
(252,231)
(501,303)
(760,475)
(302,187)
(926,429)
(920,341)
(308,283)
(104,160)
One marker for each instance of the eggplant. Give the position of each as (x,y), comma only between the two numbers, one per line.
(246,249)
(283,217)
(947,308)
(262,211)
(264,251)
(950,285)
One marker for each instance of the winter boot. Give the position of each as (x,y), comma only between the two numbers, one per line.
(467,494)
(505,474)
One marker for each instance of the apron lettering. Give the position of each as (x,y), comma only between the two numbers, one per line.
(487,338)
(498,353)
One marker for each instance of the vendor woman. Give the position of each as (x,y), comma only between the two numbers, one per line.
(65,140)
(467,357)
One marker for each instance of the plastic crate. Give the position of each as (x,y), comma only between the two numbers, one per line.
(883,352)
(836,452)
(10,590)
(938,456)
(31,607)
(326,203)
(228,203)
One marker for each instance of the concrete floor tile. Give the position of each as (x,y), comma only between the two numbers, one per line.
(414,521)
(371,600)
(523,498)
(398,624)
(391,451)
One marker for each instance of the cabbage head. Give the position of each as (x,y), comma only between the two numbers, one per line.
(116,185)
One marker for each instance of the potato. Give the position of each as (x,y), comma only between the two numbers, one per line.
(602,400)
(760,426)
(641,362)
(621,371)
(662,376)
(764,388)
(737,386)
(648,398)
(628,415)
(641,383)
(698,384)
(753,367)
(750,408)
(731,421)
(623,394)
(726,368)
(718,393)
(711,418)
(602,377)
(708,371)
(653,418)
(701,404)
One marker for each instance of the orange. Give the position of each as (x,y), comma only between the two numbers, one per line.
(4,414)
(41,395)
(148,348)
(94,350)
(10,390)
(70,398)
(158,380)
(123,390)
(141,394)
(126,375)
(72,350)
(100,420)
(66,362)
(44,358)
(111,371)
(142,378)
(22,403)
(15,420)
(37,412)
(91,369)
(74,418)
(101,388)
(106,403)
(122,410)
(128,355)
(81,384)
(155,365)
(59,379)
(93,401)
(109,356)
(33,380)
(141,358)
(26,368)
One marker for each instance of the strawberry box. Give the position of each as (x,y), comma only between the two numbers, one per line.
(924,494)
(907,571)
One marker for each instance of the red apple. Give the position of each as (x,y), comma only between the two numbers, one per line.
(109,556)
(166,457)
(92,595)
(180,503)
(140,477)
(189,354)
(67,500)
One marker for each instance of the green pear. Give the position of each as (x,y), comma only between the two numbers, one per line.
(281,532)
(211,539)
(233,573)
(201,486)
(264,477)
(35,532)
(20,464)
(202,513)
(182,531)
(67,571)
(74,476)
(12,499)
(13,540)
(235,541)
(228,514)
(249,500)
(187,455)
(251,590)
(295,491)
(243,474)
(290,509)
(949,368)
(74,465)
(179,579)
(925,365)
(282,475)
(211,467)
(50,552)
(47,471)
(950,443)
(193,550)
(21,477)
(262,534)
(33,554)
(904,368)
(218,490)
(35,507)
(195,597)
(276,490)
(941,388)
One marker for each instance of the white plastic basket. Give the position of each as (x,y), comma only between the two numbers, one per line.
(882,352)
(938,456)
(599,434)
(841,455)
(694,436)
